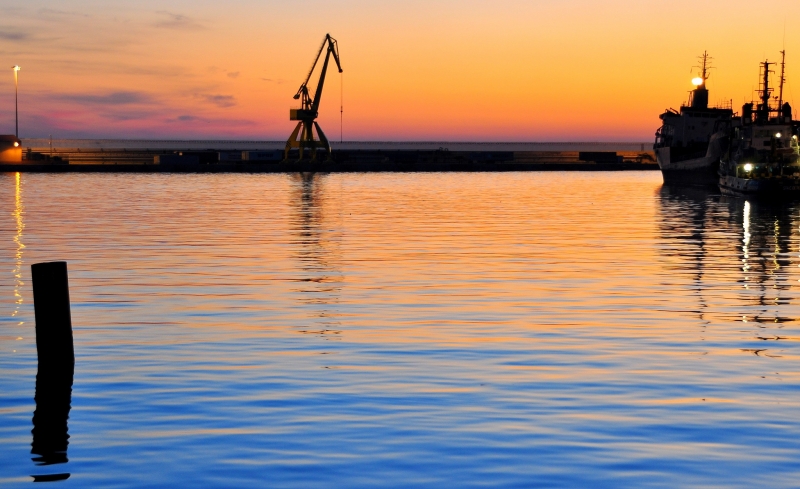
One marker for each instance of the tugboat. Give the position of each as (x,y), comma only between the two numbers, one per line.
(763,159)
(689,143)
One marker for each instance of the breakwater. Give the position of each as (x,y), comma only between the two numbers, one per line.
(267,157)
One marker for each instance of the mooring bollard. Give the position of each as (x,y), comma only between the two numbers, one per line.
(51,310)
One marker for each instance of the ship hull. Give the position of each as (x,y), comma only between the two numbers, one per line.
(702,171)
(767,188)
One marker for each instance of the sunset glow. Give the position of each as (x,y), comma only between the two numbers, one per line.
(511,70)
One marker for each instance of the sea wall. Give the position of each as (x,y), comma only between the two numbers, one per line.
(207,156)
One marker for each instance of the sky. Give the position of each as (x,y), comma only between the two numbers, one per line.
(466,70)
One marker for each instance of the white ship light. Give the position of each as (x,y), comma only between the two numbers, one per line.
(748,167)
(697,81)
(16,144)
(778,135)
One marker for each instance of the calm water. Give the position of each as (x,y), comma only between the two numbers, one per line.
(398,330)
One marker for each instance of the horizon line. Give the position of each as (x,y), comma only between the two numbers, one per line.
(385,141)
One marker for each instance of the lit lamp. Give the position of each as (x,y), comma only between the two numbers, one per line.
(10,149)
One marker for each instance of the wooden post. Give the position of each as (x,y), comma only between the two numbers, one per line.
(56,366)
(51,310)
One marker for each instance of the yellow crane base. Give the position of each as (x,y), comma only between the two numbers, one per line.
(303,138)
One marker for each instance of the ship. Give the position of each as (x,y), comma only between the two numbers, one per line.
(763,159)
(689,142)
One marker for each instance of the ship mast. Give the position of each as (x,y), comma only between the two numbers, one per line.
(699,96)
(764,108)
(783,80)
(704,75)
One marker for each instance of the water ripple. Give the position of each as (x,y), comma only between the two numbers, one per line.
(396,330)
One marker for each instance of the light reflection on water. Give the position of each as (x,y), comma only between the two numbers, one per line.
(20,226)
(515,329)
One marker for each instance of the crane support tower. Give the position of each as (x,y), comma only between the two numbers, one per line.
(303,135)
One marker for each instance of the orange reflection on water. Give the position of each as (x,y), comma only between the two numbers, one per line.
(552,262)
(20,226)
(595,315)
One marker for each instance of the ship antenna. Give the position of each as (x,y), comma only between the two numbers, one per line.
(783,80)
(705,67)
(705,70)
(784,33)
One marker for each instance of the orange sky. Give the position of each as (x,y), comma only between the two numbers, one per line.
(507,70)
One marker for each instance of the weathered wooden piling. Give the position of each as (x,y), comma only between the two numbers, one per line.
(51,310)
(56,366)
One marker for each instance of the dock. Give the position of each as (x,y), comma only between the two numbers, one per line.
(55,156)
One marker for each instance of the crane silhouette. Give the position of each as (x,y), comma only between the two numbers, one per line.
(303,135)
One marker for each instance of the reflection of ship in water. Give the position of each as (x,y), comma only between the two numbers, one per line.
(683,218)
(719,241)
(766,231)
(317,251)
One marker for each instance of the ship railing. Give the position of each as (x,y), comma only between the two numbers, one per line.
(663,136)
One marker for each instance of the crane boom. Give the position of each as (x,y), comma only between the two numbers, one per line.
(332,49)
(314,64)
(309,110)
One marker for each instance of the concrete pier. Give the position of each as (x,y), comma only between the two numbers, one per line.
(216,157)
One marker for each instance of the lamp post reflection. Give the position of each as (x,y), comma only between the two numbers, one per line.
(53,395)
(54,378)
(18,220)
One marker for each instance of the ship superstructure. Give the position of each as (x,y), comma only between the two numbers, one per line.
(690,142)
(763,159)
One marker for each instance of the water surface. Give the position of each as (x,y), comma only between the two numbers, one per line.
(396,330)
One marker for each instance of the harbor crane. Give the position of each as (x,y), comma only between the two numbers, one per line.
(303,135)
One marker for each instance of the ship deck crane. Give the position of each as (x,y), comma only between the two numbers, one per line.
(303,135)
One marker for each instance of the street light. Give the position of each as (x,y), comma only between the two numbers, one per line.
(16,100)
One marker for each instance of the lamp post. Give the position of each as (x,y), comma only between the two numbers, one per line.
(16,101)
